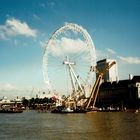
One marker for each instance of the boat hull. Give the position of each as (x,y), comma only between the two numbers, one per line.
(66,111)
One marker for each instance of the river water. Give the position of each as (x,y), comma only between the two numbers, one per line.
(31,125)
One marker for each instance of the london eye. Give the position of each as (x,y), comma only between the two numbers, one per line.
(68,57)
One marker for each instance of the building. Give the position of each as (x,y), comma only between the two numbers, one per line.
(112,74)
(122,94)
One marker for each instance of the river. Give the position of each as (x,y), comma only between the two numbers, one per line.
(31,125)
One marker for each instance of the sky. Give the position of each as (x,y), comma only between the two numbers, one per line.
(26,25)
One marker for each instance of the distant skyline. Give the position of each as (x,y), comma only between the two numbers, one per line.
(114,26)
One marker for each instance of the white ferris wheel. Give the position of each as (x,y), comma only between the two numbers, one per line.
(68,57)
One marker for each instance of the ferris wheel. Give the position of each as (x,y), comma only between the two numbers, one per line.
(68,57)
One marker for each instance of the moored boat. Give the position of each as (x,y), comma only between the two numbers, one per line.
(10,109)
(61,109)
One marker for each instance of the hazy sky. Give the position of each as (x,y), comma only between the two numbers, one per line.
(114,26)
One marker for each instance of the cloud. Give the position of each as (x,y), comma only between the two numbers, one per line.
(111,51)
(14,27)
(106,53)
(47,5)
(42,44)
(43,5)
(36,17)
(51,4)
(130,60)
(7,87)
(100,54)
(67,46)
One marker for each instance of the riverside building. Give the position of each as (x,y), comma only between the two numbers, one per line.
(122,94)
(117,93)
(110,75)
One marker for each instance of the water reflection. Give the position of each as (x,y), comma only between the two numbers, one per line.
(46,126)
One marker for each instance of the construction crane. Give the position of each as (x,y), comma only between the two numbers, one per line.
(95,88)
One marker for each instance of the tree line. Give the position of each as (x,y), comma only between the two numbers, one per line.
(33,102)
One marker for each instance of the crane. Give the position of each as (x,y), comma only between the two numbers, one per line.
(96,86)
